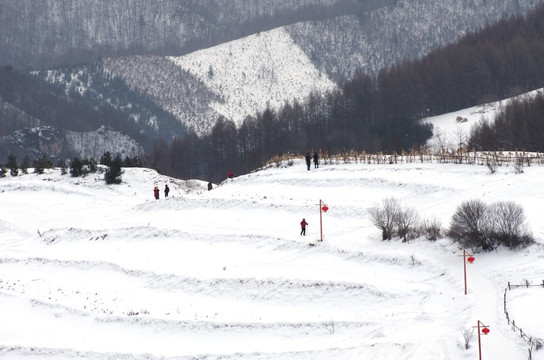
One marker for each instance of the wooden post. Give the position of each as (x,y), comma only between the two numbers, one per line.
(479,342)
(320,221)
(465,254)
(465,271)
(479,326)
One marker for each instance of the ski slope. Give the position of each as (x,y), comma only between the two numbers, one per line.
(89,271)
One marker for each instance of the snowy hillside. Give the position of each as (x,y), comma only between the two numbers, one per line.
(266,68)
(89,271)
(451,129)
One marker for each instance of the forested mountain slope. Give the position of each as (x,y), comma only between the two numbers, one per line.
(160,86)
(52,32)
(406,30)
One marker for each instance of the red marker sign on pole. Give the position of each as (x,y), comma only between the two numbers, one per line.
(482,329)
(470,259)
(322,208)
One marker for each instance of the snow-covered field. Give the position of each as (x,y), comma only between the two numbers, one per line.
(89,271)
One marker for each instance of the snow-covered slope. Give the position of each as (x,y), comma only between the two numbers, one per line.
(263,69)
(453,129)
(89,271)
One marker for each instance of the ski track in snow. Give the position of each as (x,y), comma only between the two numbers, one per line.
(225,275)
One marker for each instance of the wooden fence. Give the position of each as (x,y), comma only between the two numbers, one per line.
(461,156)
(534,344)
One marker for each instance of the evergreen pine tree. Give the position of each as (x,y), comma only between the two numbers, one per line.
(114,172)
(62,165)
(25,165)
(3,171)
(12,165)
(76,167)
(106,159)
(45,163)
(38,168)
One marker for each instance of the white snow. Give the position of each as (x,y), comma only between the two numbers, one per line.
(452,129)
(89,271)
(249,73)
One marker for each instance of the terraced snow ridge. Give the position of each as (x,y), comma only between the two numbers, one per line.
(89,271)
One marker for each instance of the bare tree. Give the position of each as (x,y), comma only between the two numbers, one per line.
(507,224)
(468,334)
(468,225)
(406,222)
(432,229)
(384,217)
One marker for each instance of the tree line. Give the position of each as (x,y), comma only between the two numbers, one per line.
(519,126)
(77,167)
(382,113)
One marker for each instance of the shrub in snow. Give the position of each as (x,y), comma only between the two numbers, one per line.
(507,225)
(468,334)
(114,172)
(406,222)
(3,171)
(393,219)
(431,229)
(12,165)
(41,164)
(384,217)
(477,225)
(76,167)
(25,165)
(468,225)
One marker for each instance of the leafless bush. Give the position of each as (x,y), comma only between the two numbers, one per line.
(507,225)
(518,165)
(406,221)
(468,334)
(384,217)
(431,229)
(330,327)
(468,225)
(492,166)
(477,225)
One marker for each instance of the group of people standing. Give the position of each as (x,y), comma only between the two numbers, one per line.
(156,191)
(309,160)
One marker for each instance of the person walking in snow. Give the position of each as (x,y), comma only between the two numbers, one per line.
(231,174)
(316,160)
(303,224)
(166,190)
(308,160)
(156,192)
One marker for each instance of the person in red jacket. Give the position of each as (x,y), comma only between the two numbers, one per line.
(303,224)
(156,192)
